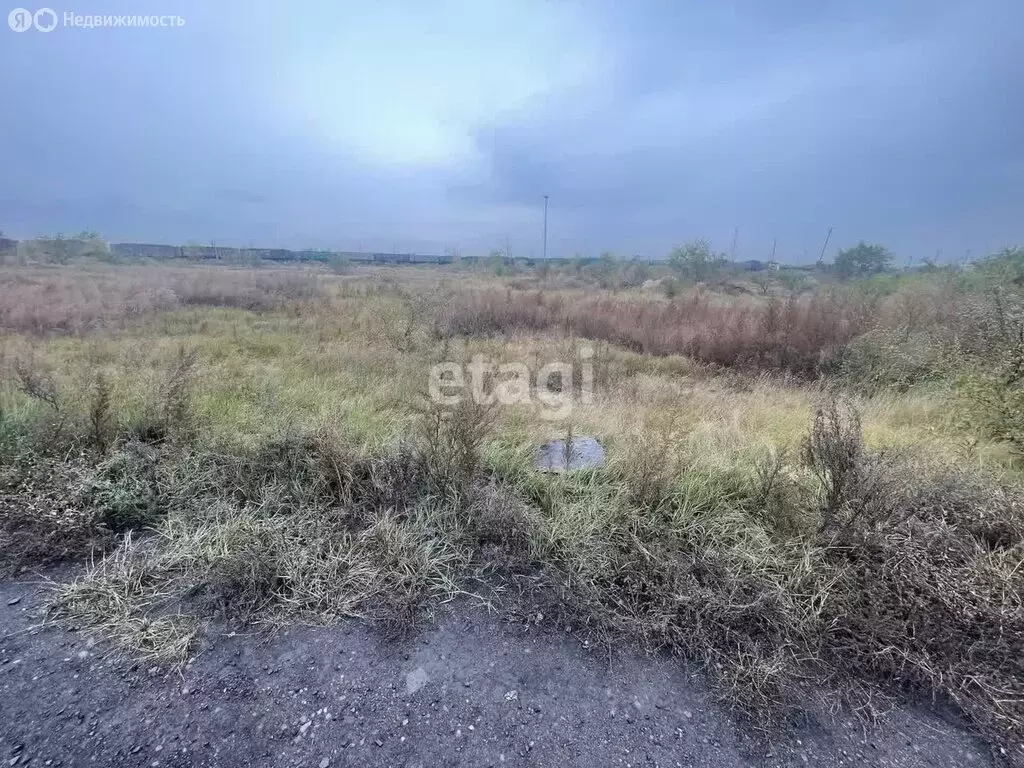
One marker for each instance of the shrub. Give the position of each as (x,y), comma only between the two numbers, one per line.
(696,261)
(451,440)
(101,425)
(777,498)
(801,335)
(170,413)
(1007,266)
(302,470)
(930,596)
(995,399)
(924,557)
(125,493)
(339,265)
(53,430)
(834,451)
(502,528)
(38,384)
(858,487)
(895,359)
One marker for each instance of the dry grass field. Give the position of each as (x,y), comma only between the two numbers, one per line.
(807,489)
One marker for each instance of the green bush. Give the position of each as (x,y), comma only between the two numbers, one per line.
(994,398)
(9,436)
(125,491)
(696,261)
(896,359)
(863,260)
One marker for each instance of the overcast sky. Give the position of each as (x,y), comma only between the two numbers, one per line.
(427,125)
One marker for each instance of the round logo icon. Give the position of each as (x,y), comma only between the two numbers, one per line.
(45,20)
(20,20)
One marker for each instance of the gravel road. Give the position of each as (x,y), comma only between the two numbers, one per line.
(468,691)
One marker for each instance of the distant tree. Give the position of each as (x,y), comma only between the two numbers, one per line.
(606,270)
(6,254)
(91,244)
(696,260)
(862,260)
(496,262)
(58,249)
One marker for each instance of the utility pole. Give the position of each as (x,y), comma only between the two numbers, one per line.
(827,238)
(735,237)
(775,242)
(545,226)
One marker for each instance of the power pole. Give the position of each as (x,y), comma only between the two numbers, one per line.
(827,238)
(775,242)
(732,250)
(545,226)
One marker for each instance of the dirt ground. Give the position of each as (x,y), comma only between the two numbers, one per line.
(470,690)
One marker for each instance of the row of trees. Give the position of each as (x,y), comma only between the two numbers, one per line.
(60,249)
(697,261)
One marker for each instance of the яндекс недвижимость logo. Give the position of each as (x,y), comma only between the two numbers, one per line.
(46,20)
(22,19)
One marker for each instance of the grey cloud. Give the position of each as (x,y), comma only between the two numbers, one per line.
(896,121)
(906,134)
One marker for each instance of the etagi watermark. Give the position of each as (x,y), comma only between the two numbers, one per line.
(47,20)
(555,386)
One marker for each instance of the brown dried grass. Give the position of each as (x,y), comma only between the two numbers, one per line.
(72,301)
